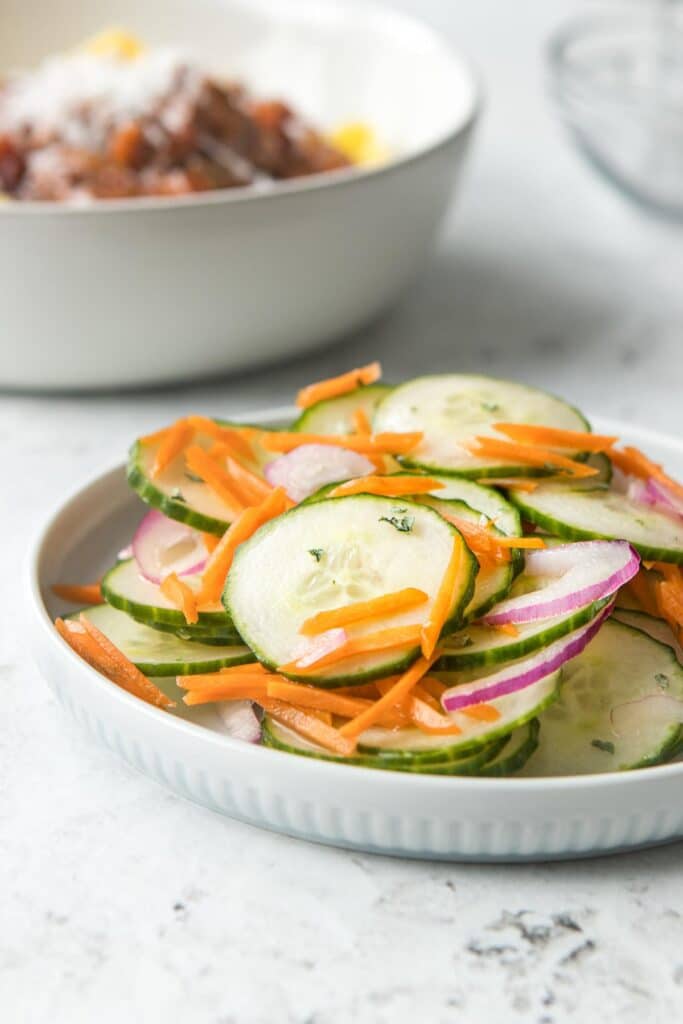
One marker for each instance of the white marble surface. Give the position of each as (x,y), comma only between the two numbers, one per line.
(119,902)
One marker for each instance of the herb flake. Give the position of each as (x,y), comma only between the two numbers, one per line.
(662,680)
(605,745)
(399,519)
(317,553)
(177,495)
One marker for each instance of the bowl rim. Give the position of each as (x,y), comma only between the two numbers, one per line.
(335,181)
(36,612)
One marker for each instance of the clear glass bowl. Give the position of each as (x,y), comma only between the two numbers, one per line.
(618,82)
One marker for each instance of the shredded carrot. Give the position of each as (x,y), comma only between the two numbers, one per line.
(157,436)
(212,473)
(551,437)
(508,628)
(492,447)
(361,611)
(237,690)
(232,437)
(95,648)
(251,488)
(313,697)
(635,463)
(243,676)
(181,595)
(382,640)
(368,690)
(441,605)
(333,387)
(178,437)
(434,723)
(486,545)
(395,695)
(389,444)
(641,586)
(210,541)
(361,421)
(423,694)
(78,593)
(390,486)
(308,726)
(433,686)
(244,526)
(481,712)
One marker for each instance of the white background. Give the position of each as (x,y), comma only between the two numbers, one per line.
(119,902)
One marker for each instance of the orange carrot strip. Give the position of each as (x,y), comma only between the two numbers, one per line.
(213,694)
(179,594)
(395,695)
(253,488)
(434,723)
(382,640)
(551,437)
(632,461)
(309,727)
(178,437)
(433,686)
(361,611)
(424,695)
(333,387)
(508,628)
(481,712)
(389,444)
(491,447)
(441,605)
(244,526)
(157,436)
(95,648)
(311,697)
(78,593)
(368,690)
(204,465)
(225,683)
(641,586)
(210,541)
(231,437)
(361,421)
(390,486)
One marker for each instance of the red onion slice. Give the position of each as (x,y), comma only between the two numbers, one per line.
(308,652)
(239,718)
(520,674)
(308,468)
(162,545)
(663,498)
(581,573)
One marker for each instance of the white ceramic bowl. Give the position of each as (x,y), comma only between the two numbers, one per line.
(133,292)
(388,812)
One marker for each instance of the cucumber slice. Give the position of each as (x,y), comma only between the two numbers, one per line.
(503,515)
(655,628)
(195,635)
(522,744)
(335,415)
(619,666)
(602,515)
(161,654)
(449,408)
(280,738)
(493,582)
(326,554)
(514,710)
(485,645)
(124,588)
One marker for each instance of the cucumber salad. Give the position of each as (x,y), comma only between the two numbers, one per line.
(451,576)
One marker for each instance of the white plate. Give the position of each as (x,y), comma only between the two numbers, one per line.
(142,291)
(385,812)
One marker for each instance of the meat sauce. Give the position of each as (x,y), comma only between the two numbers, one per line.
(82,128)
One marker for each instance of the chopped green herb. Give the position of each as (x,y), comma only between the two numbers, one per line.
(317,553)
(490,407)
(399,519)
(662,680)
(193,477)
(177,495)
(605,745)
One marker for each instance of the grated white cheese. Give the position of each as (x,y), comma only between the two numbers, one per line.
(80,96)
